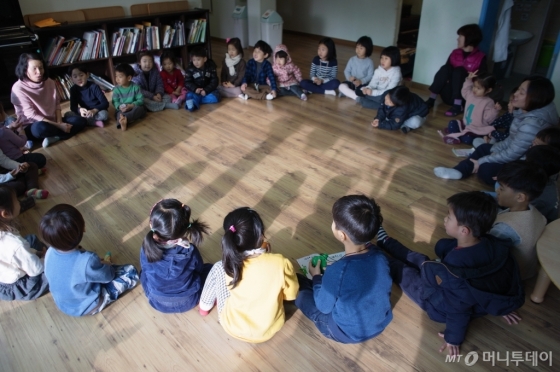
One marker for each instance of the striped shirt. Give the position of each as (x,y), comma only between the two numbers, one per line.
(130,94)
(324,70)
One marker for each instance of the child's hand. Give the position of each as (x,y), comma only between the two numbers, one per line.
(375,123)
(83,112)
(177,91)
(14,172)
(497,106)
(91,113)
(453,349)
(317,81)
(198,90)
(472,75)
(314,270)
(512,318)
(243,87)
(486,139)
(476,165)
(357,82)
(23,167)
(367,91)
(157,97)
(273,93)
(203,93)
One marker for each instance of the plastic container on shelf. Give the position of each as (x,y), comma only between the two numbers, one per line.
(545,56)
(271,28)
(240,26)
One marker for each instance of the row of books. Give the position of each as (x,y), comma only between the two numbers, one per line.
(60,50)
(174,36)
(64,83)
(197,33)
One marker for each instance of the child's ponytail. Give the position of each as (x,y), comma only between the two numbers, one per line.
(243,231)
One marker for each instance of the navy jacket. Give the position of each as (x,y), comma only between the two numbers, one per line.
(470,282)
(266,72)
(89,97)
(205,77)
(393,117)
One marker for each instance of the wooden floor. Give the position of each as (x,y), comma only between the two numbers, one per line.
(289,160)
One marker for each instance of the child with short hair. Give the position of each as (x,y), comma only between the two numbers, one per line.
(233,69)
(288,75)
(350,303)
(548,136)
(21,268)
(173,80)
(201,80)
(548,158)
(401,109)
(476,274)
(173,272)
(521,223)
(86,98)
(359,69)
(259,74)
(250,283)
(387,76)
(324,70)
(127,97)
(149,80)
(480,111)
(80,283)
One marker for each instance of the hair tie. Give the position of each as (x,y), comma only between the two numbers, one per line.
(188,227)
(228,39)
(232,229)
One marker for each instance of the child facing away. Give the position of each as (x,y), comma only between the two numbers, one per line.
(127,97)
(173,80)
(401,109)
(173,272)
(521,223)
(324,70)
(86,98)
(233,69)
(480,111)
(80,283)
(201,80)
(250,283)
(288,75)
(548,158)
(501,125)
(149,80)
(450,77)
(258,74)
(386,76)
(21,268)
(359,69)
(350,303)
(476,274)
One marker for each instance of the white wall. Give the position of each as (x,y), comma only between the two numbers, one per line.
(437,37)
(347,20)
(46,6)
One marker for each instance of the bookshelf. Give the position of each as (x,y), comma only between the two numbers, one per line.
(104,43)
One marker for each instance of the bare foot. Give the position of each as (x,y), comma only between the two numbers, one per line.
(123,122)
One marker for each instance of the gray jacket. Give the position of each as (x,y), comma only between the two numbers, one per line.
(522,132)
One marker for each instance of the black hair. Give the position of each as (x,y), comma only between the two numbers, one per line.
(237,44)
(243,231)
(524,177)
(472,34)
(358,216)
(540,92)
(23,64)
(170,220)
(264,47)
(144,53)
(550,136)
(199,52)
(62,227)
(367,43)
(168,55)
(545,156)
(394,54)
(400,95)
(474,209)
(7,196)
(81,68)
(329,43)
(486,80)
(281,54)
(125,68)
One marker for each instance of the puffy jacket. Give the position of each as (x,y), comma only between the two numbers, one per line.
(151,86)
(286,75)
(393,117)
(205,77)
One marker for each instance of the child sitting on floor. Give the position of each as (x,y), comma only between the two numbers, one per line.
(127,97)
(548,158)
(401,109)
(80,283)
(350,302)
(324,70)
(288,75)
(259,74)
(359,69)
(519,183)
(147,77)
(477,274)
(233,69)
(86,98)
(386,76)
(201,80)
(173,80)
(501,125)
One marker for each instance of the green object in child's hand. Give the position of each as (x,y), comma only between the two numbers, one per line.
(321,257)
(107,257)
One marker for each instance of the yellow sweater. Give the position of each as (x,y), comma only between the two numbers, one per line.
(254,312)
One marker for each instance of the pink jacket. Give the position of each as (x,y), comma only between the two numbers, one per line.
(35,101)
(479,111)
(286,75)
(471,63)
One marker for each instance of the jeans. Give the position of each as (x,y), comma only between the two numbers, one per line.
(41,129)
(486,171)
(198,99)
(100,116)
(314,88)
(455,126)
(370,102)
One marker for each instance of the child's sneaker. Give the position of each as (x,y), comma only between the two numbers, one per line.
(303,97)
(405,130)
(269,97)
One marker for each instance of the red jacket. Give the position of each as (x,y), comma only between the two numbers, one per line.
(172,81)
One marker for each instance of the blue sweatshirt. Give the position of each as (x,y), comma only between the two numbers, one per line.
(356,291)
(89,97)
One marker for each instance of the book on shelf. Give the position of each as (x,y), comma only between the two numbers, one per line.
(126,40)
(64,82)
(197,33)
(173,36)
(103,84)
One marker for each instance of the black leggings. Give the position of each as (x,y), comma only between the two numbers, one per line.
(448,83)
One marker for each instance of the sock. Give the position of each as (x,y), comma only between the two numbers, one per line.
(433,96)
(190,104)
(448,173)
(42,171)
(330,92)
(29,144)
(37,193)
(99,123)
(457,102)
(303,97)
(49,141)
(381,235)
(269,97)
